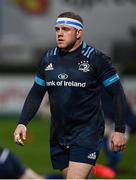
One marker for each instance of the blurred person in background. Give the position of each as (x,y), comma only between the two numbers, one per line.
(114,158)
(73,74)
(12,168)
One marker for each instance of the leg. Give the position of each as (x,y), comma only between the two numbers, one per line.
(64,172)
(30,174)
(78,170)
(81,161)
(60,158)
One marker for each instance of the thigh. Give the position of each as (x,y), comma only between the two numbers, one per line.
(78,170)
(83,155)
(30,174)
(64,172)
(81,160)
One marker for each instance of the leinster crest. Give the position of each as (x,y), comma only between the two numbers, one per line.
(84,66)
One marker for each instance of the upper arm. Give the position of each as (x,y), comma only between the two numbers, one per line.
(40,75)
(105,71)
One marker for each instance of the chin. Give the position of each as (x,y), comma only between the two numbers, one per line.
(61,46)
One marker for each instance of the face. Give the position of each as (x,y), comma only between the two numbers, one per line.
(66,37)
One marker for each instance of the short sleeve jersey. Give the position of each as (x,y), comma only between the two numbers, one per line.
(74,81)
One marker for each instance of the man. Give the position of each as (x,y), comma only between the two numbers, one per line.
(12,168)
(73,74)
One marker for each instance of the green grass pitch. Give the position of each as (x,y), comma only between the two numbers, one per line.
(36,155)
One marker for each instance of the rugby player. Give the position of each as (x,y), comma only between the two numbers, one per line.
(73,74)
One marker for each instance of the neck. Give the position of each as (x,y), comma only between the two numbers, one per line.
(76,46)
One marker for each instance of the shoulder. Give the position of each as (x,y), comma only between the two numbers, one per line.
(4,152)
(87,50)
(92,52)
(96,57)
(53,52)
(100,59)
(99,55)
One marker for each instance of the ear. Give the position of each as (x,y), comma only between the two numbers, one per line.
(79,33)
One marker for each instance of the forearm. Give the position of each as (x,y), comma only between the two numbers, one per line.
(31,104)
(119,101)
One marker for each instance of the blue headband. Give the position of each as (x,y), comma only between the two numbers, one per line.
(70,22)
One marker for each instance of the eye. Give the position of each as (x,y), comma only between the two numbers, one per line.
(66,29)
(57,29)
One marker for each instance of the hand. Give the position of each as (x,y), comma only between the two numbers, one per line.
(20,134)
(118,141)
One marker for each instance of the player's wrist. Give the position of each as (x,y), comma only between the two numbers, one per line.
(22,126)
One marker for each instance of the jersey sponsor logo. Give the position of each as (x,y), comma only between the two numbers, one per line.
(84,66)
(49,67)
(66,83)
(63,76)
(92,155)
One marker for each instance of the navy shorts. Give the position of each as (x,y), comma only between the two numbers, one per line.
(10,166)
(61,155)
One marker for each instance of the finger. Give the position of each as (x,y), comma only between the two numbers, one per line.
(18,140)
(122,147)
(24,135)
(119,147)
(115,148)
(112,145)
(21,142)
(16,137)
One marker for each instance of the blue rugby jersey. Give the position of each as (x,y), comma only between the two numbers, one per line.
(73,81)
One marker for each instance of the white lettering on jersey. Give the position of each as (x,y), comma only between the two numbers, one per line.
(66,83)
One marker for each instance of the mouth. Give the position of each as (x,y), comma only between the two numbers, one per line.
(60,40)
